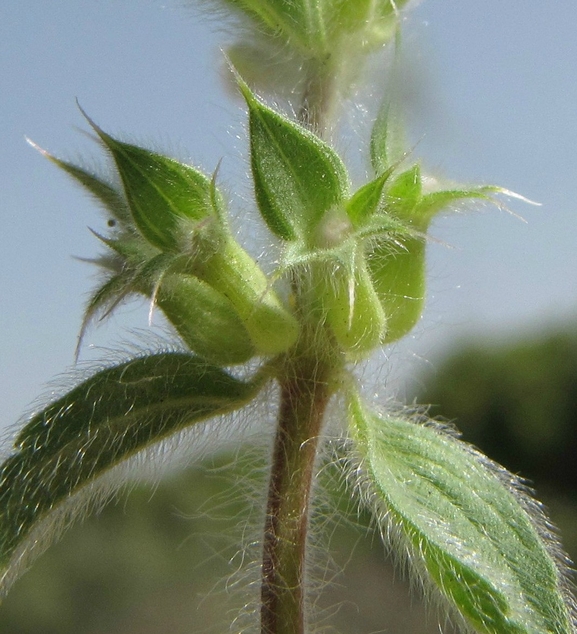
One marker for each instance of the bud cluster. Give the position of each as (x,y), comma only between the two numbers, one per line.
(170,242)
(359,257)
(354,267)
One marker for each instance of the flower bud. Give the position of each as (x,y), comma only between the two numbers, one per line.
(398,276)
(354,311)
(205,319)
(398,270)
(233,273)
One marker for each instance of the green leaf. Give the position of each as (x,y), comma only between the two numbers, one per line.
(61,454)
(161,192)
(297,177)
(466,522)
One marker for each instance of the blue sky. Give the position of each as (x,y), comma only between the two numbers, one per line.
(497,104)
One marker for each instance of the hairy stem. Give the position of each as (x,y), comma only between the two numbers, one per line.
(304,396)
(319,96)
(307,383)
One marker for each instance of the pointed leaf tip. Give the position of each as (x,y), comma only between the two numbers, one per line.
(512,194)
(37,147)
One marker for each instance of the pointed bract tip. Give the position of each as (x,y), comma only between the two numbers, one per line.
(241,83)
(105,138)
(39,149)
(511,194)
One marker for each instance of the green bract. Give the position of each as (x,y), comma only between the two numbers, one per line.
(398,269)
(173,246)
(297,177)
(167,199)
(301,188)
(367,201)
(387,145)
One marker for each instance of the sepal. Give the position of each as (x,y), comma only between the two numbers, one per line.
(367,200)
(234,273)
(103,192)
(353,310)
(398,271)
(206,319)
(404,193)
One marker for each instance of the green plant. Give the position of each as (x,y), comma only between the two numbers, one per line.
(350,278)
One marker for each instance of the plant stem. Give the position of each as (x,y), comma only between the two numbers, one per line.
(319,96)
(305,393)
(307,383)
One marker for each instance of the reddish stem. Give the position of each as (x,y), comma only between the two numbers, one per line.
(304,397)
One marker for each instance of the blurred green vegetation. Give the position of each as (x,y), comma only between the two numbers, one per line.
(182,557)
(517,401)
